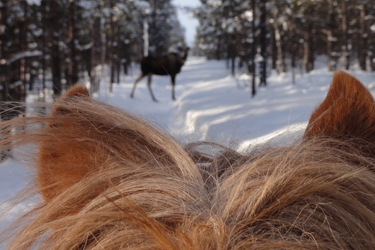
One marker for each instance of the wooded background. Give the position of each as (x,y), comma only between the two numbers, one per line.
(290,33)
(53,44)
(59,42)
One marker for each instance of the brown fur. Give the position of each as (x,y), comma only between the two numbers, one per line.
(110,180)
(347,100)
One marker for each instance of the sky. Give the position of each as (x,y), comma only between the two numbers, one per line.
(188,22)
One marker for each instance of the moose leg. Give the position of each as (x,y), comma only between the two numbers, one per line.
(173,78)
(149,87)
(135,84)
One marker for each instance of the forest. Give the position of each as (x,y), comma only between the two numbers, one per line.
(54,44)
(289,34)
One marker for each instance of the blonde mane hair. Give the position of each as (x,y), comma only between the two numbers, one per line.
(109,180)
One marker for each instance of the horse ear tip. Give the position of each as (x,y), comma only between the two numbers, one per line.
(77,91)
(342,76)
(347,85)
(341,72)
(343,112)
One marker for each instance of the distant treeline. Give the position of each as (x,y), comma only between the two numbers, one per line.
(288,32)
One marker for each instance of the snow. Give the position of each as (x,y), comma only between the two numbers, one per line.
(88,4)
(31,2)
(84,47)
(332,39)
(24,54)
(143,5)
(15,84)
(211,105)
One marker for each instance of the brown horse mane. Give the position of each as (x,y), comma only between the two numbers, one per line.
(110,180)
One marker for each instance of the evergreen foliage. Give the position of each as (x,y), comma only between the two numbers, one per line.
(290,32)
(59,42)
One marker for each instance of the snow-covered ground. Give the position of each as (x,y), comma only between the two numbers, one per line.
(211,105)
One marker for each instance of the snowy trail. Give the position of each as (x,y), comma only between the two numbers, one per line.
(211,107)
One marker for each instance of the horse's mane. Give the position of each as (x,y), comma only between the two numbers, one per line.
(110,180)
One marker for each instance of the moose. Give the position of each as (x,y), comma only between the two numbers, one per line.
(169,64)
(109,180)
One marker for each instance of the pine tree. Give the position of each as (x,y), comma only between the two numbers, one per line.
(263,43)
(164,28)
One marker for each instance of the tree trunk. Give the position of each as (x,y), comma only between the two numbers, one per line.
(329,50)
(111,49)
(118,57)
(306,51)
(233,68)
(56,67)
(263,43)
(218,48)
(92,68)
(308,57)
(23,47)
(72,77)
(4,69)
(274,50)
(253,91)
(331,39)
(232,54)
(55,50)
(293,50)
(102,43)
(362,48)
(345,34)
(277,38)
(43,5)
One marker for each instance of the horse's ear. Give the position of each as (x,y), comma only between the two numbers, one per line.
(83,137)
(75,92)
(347,112)
(63,161)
